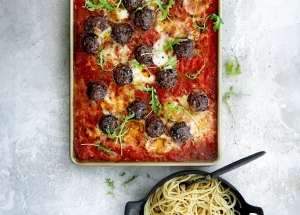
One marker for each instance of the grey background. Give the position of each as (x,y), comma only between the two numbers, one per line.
(36,175)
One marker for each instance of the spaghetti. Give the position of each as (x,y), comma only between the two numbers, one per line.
(204,198)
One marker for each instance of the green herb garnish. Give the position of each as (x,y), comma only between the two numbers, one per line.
(227,99)
(232,69)
(164,8)
(101,61)
(194,76)
(130,180)
(92,5)
(155,104)
(218,21)
(171,108)
(136,64)
(106,150)
(122,174)
(119,132)
(171,63)
(170,43)
(217,24)
(111,184)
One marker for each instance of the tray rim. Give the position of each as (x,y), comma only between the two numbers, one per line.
(133,163)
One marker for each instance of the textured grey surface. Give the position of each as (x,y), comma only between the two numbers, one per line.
(36,175)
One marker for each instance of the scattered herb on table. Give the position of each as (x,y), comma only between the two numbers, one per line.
(111,184)
(171,108)
(227,99)
(155,104)
(232,69)
(194,76)
(122,174)
(148,175)
(130,180)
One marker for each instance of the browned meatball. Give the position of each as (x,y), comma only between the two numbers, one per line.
(184,49)
(198,101)
(108,122)
(180,132)
(90,44)
(123,75)
(95,23)
(144,18)
(143,54)
(139,108)
(166,78)
(121,32)
(97,90)
(154,126)
(131,5)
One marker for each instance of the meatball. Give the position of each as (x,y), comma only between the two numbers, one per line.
(97,90)
(180,132)
(144,19)
(123,75)
(90,44)
(198,101)
(143,54)
(154,126)
(184,49)
(139,108)
(108,122)
(166,78)
(131,5)
(94,24)
(121,32)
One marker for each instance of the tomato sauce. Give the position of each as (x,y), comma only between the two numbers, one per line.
(87,113)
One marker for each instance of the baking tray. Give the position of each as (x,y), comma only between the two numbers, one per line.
(108,163)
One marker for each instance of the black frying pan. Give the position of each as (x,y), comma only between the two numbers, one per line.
(246,209)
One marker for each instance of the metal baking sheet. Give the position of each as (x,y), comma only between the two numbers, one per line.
(108,163)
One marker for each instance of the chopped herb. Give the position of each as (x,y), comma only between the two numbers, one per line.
(202,27)
(130,180)
(194,76)
(217,24)
(164,8)
(218,21)
(111,184)
(232,69)
(122,174)
(148,175)
(119,131)
(227,99)
(170,43)
(155,104)
(171,63)
(106,150)
(142,7)
(101,61)
(171,108)
(92,5)
(136,64)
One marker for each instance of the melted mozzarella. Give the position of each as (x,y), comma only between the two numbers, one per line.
(116,53)
(142,76)
(159,56)
(121,14)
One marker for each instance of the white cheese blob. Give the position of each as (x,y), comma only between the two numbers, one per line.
(121,14)
(160,58)
(142,76)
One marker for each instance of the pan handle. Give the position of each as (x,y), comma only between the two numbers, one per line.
(256,210)
(133,206)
